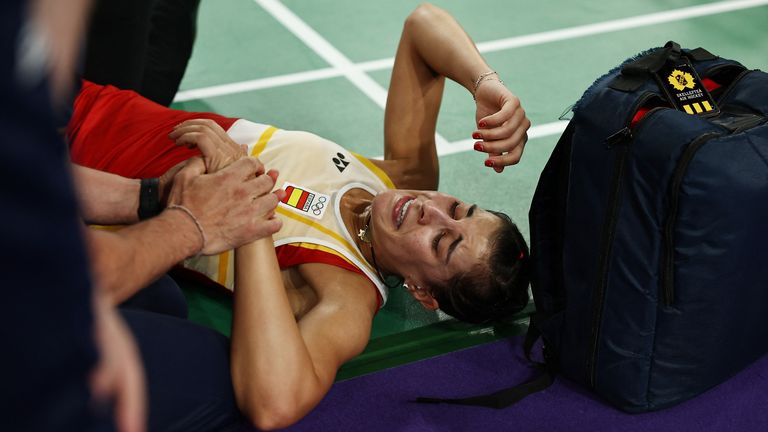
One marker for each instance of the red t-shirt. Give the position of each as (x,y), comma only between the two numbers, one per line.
(121,132)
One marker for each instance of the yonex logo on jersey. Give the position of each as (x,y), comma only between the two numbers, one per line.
(305,201)
(340,162)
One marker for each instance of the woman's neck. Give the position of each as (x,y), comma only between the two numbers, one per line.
(355,208)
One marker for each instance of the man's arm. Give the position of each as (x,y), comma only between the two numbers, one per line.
(220,211)
(434,46)
(109,199)
(105,198)
(125,261)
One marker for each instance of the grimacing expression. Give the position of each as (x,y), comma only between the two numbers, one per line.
(428,237)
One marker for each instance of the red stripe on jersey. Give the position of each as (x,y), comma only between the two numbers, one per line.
(287,256)
(120,131)
(290,255)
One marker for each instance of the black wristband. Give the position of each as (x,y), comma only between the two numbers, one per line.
(149,198)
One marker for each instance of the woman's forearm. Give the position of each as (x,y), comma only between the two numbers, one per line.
(272,369)
(444,46)
(433,46)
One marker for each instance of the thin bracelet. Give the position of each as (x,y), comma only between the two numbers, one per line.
(484,77)
(194,219)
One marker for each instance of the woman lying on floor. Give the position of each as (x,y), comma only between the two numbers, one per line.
(304,300)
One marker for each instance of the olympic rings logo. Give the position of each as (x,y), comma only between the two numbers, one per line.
(317,208)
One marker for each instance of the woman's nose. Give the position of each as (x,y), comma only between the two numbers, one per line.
(430,213)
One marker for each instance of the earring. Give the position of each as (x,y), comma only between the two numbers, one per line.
(364,234)
(412,288)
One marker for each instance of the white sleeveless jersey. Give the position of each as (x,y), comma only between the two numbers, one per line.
(315,174)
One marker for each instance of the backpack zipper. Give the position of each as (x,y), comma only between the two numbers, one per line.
(733,84)
(667,294)
(623,137)
(668,251)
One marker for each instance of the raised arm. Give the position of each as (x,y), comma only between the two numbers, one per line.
(434,46)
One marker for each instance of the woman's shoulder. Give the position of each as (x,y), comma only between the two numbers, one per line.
(340,286)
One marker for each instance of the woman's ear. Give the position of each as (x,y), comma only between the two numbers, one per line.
(422,295)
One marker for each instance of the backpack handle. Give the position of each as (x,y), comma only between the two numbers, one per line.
(635,73)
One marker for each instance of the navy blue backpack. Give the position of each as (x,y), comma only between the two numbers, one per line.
(649,234)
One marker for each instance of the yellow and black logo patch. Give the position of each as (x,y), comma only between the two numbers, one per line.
(684,89)
(681,80)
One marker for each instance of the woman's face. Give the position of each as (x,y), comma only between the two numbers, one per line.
(428,237)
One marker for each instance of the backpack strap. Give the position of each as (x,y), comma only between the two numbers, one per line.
(700,54)
(635,73)
(509,396)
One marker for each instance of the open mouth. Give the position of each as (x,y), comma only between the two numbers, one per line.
(400,210)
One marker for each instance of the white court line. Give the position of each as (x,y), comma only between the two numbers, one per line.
(621,24)
(330,54)
(257,84)
(325,50)
(538,131)
(484,47)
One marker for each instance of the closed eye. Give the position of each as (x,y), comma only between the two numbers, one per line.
(453,209)
(436,241)
(456,242)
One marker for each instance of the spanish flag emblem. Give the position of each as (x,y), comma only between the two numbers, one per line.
(298,198)
(304,201)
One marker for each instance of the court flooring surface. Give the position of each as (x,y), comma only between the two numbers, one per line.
(323,66)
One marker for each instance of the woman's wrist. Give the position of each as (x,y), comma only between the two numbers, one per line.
(491,75)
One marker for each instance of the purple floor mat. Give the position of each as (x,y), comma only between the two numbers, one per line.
(379,402)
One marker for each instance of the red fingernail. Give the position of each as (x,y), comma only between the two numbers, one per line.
(481,124)
(479,146)
(477,135)
(488,163)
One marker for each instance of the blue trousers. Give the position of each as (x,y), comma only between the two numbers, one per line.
(186,365)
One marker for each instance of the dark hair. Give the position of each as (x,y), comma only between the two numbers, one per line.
(494,289)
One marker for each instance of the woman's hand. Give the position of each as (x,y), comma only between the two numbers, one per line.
(219,150)
(502,125)
(165,181)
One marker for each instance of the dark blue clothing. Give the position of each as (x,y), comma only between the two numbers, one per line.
(162,296)
(189,386)
(187,368)
(46,326)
